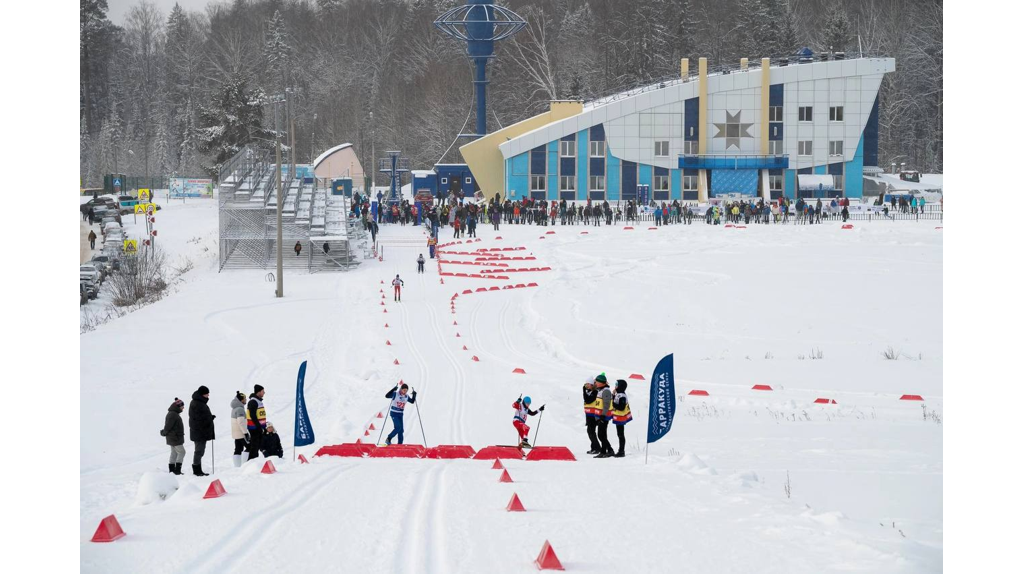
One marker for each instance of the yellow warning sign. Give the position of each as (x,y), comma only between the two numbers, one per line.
(131,246)
(144,195)
(144,208)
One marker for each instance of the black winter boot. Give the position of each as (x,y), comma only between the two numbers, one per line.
(197,469)
(177,468)
(620,454)
(170,467)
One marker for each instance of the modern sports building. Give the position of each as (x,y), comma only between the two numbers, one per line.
(803,128)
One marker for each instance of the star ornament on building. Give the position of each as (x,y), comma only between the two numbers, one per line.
(732,130)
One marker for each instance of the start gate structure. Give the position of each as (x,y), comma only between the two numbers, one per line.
(310,218)
(394,165)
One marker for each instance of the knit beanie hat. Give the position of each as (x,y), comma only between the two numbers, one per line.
(240,396)
(601,379)
(178,403)
(256,389)
(203,390)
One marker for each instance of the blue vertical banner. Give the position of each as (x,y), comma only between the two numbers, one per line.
(663,400)
(303,428)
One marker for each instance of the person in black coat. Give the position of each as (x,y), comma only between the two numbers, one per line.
(174,431)
(272,443)
(200,427)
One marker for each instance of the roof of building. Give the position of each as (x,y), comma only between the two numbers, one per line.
(320,158)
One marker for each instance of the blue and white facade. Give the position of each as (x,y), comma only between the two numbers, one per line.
(802,130)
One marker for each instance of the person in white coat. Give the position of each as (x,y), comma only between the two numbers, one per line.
(239,432)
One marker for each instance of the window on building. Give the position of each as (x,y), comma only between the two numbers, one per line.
(567,148)
(597,149)
(691,131)
(691,147)
(537,182)
(661,148)
(469,180)
(804,148)
(597,183)
(806,114)
(775,182)
(835,114)
(444,180)
(835,147)
(661,183)
(690,183)
(775,114)
(838,182)
(775,147)
(567,183)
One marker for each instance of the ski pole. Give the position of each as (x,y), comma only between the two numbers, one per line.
(537,432)
(420,418)
(213,453)
(385,420)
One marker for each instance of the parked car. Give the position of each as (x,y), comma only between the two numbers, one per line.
(91,272)
(106,262)
(90,288)
(111,226)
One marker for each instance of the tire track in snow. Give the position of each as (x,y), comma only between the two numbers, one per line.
(222,554)
(426,527)
(458,399)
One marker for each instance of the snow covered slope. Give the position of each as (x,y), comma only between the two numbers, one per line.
(738,307)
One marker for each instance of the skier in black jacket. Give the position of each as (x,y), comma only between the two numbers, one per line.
(174,431)
(200,427)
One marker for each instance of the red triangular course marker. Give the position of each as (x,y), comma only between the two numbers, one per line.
(824,401)
(457,335)
(504,477)
(518,371)
(268,468)
(366,433)
(396,361)
(386,325)
(515,505)
(497,465)
(547,560)
(302,459)
(388,343)
(476,359)
(698,393)
(385,310)
(637,377)
(911,398)
(109,530)
(455,322)
(761,388)
(464,348)
(216,490)
(380,415)
(372,427)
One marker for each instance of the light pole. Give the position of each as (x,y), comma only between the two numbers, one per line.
(280,198)
(373,157)
(291,130)
(312,139)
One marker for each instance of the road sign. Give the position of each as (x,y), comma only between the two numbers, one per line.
(131,246)
(143,195)
(144,208)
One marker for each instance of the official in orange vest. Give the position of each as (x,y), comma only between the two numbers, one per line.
(621,415)
(591,410)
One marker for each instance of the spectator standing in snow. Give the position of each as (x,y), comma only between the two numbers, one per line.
(298,248)
(522,407)
(92,239)
(397,412)
(604,395)
(272,443)
(255,420)
(621,415)
(238,430)
(200,427)
(174,431)
(590,412)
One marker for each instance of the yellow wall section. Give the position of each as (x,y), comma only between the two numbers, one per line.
(684,67)
(484,158)
(766,75)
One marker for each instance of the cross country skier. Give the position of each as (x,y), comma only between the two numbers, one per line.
(398,409)
(398,287)
(419,263)
(522,407)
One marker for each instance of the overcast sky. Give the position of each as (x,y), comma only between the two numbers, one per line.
(118,8)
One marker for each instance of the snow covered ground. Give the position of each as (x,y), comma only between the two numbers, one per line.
(738,307)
